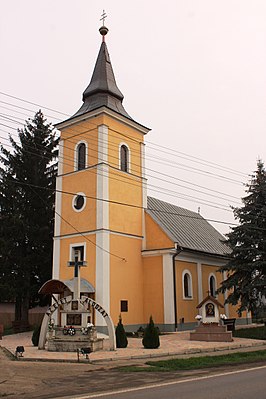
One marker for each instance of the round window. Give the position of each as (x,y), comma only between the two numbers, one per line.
(79,202)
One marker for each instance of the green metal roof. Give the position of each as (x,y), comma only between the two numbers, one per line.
(186,228)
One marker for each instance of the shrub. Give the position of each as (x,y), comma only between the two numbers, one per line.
(120,334)
(36,335)
(140,332)
(151,338)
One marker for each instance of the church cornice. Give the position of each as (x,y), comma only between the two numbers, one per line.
(99,164)
(91,232)
(103,111)
(158,251)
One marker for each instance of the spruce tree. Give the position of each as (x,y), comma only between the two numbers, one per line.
(27,183)
(120,334)
(151,338)
(246,269)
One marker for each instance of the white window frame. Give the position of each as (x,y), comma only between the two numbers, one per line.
(77,244)
(129,158)
(190,286)
(73,202)
(209,283)
(76,155)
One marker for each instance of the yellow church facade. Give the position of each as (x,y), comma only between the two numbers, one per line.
(140,256)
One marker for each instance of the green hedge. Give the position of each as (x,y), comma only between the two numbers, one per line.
(252,333)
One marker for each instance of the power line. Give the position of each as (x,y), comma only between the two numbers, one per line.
(32,103)
(186,197)
(175,178)
(196,159)
(170,150)
(79,232)
(15,181)
(164,180)
(174,194)
(23,108)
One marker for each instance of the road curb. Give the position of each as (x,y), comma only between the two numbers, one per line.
(190,352)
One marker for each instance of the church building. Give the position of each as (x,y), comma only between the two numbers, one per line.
(137,255)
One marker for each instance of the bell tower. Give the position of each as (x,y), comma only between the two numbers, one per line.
(101,196)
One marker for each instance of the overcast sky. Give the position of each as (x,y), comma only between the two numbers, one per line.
(194,71)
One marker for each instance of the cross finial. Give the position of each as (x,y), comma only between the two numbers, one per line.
(103,29)
(104,15)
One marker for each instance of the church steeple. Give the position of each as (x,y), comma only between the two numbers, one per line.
(102,90)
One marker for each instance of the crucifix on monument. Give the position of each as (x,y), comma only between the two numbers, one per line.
(77,263)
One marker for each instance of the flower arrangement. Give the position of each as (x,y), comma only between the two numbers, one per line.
(198,317)
(69,330)
(84,330)
(51,325)
(223,316)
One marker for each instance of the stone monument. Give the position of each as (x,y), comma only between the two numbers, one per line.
(75,330)
(209,328)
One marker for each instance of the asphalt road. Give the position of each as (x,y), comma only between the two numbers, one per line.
(46,380)
(241,384)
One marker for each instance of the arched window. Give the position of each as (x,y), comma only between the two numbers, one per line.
(81,156)
(124,158)
(212,285)
(187,285)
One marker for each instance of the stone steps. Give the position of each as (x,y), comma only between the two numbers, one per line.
(211,333)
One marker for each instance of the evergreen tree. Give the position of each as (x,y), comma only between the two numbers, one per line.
(151,338)
(27,183)
(246,269)
(120,334)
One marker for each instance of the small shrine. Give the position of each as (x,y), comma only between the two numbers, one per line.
(209,328)
(68,323)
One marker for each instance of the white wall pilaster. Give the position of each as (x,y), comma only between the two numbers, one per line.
(102,220)
(144,193)
(56,259)
(102,274)
(199,274)
(58,209)
(102,143)
(168,289)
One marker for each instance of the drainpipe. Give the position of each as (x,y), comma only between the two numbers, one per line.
(178,250)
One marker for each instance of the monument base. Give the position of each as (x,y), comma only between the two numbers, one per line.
(63,345)
(58,342)
(212,332)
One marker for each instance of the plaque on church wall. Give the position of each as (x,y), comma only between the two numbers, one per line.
(74,319)
(210,311)
(74,305)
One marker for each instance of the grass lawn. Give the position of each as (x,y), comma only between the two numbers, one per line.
(8,331)
(194,363)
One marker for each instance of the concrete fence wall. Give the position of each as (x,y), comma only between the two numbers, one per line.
(7,315)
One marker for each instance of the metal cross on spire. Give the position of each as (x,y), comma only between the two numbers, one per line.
(104,15)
